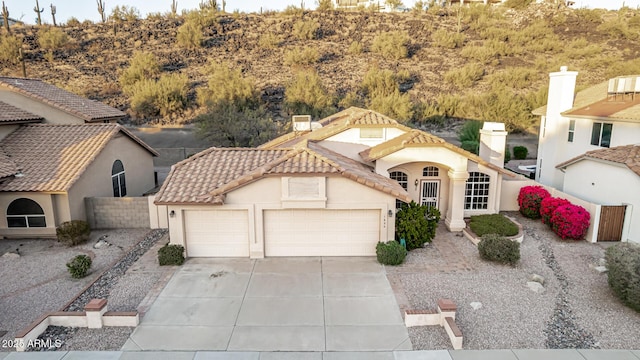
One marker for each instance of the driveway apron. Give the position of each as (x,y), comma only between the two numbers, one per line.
(274,304)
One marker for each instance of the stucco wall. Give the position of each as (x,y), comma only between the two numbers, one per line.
(96,180)
(45,202)
(353,136)
(117,213)
(414,172)
(51,114)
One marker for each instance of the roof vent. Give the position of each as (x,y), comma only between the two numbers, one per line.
(624,85)
(301,122)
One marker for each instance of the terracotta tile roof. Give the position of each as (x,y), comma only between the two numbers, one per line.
(86,109)
(10,114)
(7,166)
(206,177)
(418,138)
(352,117)
(628,155)
(52,157)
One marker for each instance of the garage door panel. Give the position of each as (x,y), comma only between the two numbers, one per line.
(298,232)
(217,233)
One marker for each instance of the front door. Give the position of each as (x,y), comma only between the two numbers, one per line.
(429,194)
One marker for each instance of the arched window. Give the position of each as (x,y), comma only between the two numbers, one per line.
(430,171)
(117,179)
(477,191)
(25,213)
(403,180)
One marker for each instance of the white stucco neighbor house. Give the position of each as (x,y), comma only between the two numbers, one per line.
(329,188)
(588,148)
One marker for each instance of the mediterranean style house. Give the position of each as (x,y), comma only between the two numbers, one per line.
(56,149)
(588,148)
(329,188)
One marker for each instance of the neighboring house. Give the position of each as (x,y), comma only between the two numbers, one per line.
(327,189)
(52,158)
(587,138)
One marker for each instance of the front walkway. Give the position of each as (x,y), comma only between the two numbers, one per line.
(275,304)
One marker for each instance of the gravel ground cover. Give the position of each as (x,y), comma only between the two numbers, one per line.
(576,309)
(38,282)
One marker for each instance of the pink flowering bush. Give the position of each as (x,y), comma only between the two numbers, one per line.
(548,206)
(570,221)
(529,200)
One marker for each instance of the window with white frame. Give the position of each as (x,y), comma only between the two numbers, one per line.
(403,180)
(25,213)
(572,129)
(118,180)
(477,191)
(430,171)
(601,134)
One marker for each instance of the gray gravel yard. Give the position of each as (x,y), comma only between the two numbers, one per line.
(576,309)
(38,282)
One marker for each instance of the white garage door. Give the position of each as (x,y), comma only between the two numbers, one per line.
(321,232)
(217,233)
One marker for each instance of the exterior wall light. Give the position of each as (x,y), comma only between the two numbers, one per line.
(390,213)
(172,214)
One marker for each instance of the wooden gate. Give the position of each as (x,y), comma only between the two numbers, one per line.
(611,223)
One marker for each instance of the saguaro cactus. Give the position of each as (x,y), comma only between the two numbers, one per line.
(53,14)
(101,10)
(38,11)
(174,7)
(22,62)
(5,16)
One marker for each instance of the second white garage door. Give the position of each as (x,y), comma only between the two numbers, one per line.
(321,232)
(216,233)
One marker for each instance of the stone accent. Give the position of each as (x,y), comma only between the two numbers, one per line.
(445,317)
(117,213)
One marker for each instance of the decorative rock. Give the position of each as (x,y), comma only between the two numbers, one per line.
(602,262)
(535,286)
(11,255)
(100,244)
(476,305)
(537,278)
(601,269)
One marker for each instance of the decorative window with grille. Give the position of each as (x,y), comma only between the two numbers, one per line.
(118,180)
(403,180)
(25,213)
(430,171)
(477,191)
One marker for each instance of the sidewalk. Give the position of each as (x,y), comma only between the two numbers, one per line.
(524,354)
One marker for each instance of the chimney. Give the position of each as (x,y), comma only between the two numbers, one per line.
(562,86)
(301,122)
(493,141)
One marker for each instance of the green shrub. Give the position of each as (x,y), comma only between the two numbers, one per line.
(507,155)
(269,41)
(355,48)
(471,146)
(305,30)
(492,224)
(163,97)
(465,76)
(10,49)
(144,65)
(520,152)
(383,82)
(52,38)
(617,28)
(307,95)
(416,224)
(79,266)
(171,254)
(496,248)
(301,56)
(514,77)
(227,84)
(227,125)
(391,45)
(189,35)
(483,54)
(395,105)
(447,39)
(73,232)
(623,263)
(390,253)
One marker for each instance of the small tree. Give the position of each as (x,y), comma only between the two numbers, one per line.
(307,95)
(227,85)
(391,45)
(469,136)
(305,30)
(9,49)
(52,39)
(189,35)
(144,65)
(416,224)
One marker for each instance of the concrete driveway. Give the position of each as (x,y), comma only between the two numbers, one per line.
(275,304)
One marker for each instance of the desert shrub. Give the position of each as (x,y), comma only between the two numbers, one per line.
(171,254)
(496,248)
(307,95)
(73,232)
(292,10)
(301,56)
(442,107)
(465,76)
(79,266)
(10,49)
(619,68)
(73,22)
(548,206)
(493,224)
(529,200)
(227,125)
(623,263)
(570,221)
(189,35)
(391,45)
(305,30)
(390,253)
(163,97)
(52,38)
(447,39)
(518,4)
(324,5)
(499,103)
(395,105)
(514,77)
(269,41)
(483,54)
(383,82)
(416,224)
(618,28)
(520,152)
(124,13)
(581,48)
(144,65)
(227,84)
(204,17)
(587,15)
(355,48)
